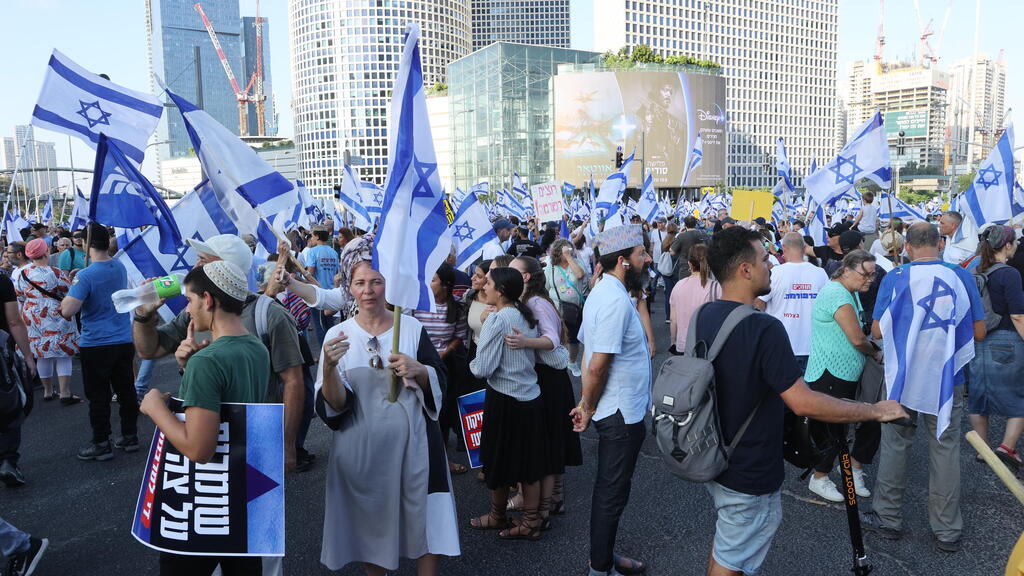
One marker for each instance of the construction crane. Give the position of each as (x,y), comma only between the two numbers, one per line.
(242,96)
(880,39)
(929,55)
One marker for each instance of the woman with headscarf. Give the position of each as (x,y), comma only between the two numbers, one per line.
(388,488)
(53,339)
(514,442)
(997,370)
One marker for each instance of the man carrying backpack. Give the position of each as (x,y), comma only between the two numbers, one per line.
(755,374)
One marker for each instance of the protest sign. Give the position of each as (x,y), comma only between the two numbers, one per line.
(750,204)
(471,415)
(231,506)
(548,203)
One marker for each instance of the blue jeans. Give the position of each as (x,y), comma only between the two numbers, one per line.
(321,323)
(745,527)
(670,283)
(618,447)
(145,374)
(307,408)
(12,540)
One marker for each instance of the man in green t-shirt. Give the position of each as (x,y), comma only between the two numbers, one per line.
(233,367)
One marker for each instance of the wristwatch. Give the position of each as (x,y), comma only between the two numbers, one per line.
(141,319)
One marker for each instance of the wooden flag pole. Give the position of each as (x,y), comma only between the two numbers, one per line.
(892,251)
(396,331)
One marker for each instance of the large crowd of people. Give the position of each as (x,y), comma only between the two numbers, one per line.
(535,311)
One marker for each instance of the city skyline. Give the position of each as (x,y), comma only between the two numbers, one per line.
(36,28)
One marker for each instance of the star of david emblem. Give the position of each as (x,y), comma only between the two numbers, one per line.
(423,172)
(989,176)
(378,198)
(464,231)
(92,119)
(854,169)
(650,197)
(931,319)
(179,259)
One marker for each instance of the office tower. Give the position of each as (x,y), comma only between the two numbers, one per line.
(536,22)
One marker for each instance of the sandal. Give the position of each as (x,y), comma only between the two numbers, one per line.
(626,565)
(527,528)
(1009,457)
(488,522)
(70,400)
(456,469)
(51,396)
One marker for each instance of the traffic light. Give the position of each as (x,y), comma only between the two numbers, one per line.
(618,158)
(337,191)
(900,149)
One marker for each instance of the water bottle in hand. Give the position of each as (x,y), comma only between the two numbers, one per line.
(148,293)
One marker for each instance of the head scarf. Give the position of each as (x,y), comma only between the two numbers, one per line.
(359,249)
(997,236)
(36,249)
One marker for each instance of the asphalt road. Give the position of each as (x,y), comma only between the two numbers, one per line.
(85,509)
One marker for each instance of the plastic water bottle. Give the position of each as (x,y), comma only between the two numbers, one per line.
(149,293)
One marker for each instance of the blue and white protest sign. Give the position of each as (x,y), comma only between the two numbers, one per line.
(471,415)
(231,506)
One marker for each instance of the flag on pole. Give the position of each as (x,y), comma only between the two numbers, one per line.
(47,213)
(696,157)
(568,189)
(783,167)
(865,156)
(14,224)
(471,231)
(231,165)
(80,211)
(900,209)
(79,103)
(648,206)
(928,334)
(413,237)
(990,198)
(522,195)
(372,197)
(817,229)
(121,196)
(350,196)
(612,188)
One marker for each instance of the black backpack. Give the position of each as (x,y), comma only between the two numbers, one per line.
(992,319)
(15,383)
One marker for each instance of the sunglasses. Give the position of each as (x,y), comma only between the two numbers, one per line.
(373,349)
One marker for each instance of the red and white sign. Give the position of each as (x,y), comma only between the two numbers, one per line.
(547,201)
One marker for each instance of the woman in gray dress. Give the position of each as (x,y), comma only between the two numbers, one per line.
(388,489)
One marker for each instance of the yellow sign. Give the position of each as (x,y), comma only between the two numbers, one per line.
(750,204)
(448,213)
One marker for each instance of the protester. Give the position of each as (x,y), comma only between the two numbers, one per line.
(997,370)
(322,264)
(106,348)
(616,388)
(671,232)
(955,251)
(503,228)
(556,391)
(522,245)
(12,420)
(867,221)
(795,286)
(16,254)
(566,284)
(514,441)
(285,380)
(73,259)
(681,245)
(838,350)
(60,245)
(755,375)
(53,339)
(916,356)
(689,294)
(23,551)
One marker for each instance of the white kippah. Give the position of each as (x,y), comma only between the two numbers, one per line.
(229,278)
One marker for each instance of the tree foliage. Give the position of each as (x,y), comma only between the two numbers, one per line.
(644,54)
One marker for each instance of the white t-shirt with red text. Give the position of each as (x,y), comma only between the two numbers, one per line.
(795,285)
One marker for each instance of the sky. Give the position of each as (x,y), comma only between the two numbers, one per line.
(109,36)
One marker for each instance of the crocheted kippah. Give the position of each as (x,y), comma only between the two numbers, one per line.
(229,278)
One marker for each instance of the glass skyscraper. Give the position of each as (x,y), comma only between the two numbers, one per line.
(537,22)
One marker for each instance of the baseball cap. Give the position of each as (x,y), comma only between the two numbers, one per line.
(838,229)
(502,224)
(226,247)
(850,240)
(760,221)
(728,220)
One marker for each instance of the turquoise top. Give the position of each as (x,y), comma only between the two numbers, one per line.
(830,349)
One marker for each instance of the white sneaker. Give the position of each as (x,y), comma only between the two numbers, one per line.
(858,481)
(574,369)
(825,488)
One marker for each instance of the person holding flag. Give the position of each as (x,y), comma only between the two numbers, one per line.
(929,314)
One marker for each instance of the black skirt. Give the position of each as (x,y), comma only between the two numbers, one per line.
(514,440)
(558,398)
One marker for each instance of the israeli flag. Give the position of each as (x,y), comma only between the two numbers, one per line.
(79,212)
(471,231)
(817,228)
(648,206)
(522,195)
(79,103)
(47,214)
(372,198)
(865,156)
(710,204)
(928,336)
(612,188)
(900,209)
(121,196)
(782,165)
(990,197)
(413,238)
(13,225)
(231,165)
(696,157)
(511,206)
(456,199)
(350,196)
(568,189)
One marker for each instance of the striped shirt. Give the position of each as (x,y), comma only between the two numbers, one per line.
(510,371)
(440,331)
(296,307)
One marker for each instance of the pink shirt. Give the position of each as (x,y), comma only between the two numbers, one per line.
(549,323)
(687,296)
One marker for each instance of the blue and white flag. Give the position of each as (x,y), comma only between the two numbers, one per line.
(990,196)
(456,199)
(471,231)
(521,192)
(568,189)
(696,157)
(121,196)
(350,196)
(865,156)
(231,165)
(928,334)
(47,213)
(413,238)
(783,167)
(511,205)
(900,209)
(13,225)
(77,102)
(711,203)
(372,197)
(817,228)
(612,188)
(79,212)
(648,206)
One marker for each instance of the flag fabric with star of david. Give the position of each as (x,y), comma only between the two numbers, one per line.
(612,188)
(866,155)
(350,195)
(926,312)
(648,207)
(122,197)
(990,197)
(471,231)
(413,237)
(79,103)
(783,167)
(79,211)
(696,157)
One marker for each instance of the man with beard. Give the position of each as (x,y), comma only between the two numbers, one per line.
(616,388)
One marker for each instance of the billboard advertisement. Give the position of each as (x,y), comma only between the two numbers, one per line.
(657,113)
(913,123)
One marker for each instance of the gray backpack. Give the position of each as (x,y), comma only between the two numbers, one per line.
(992,319)
(685,412)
